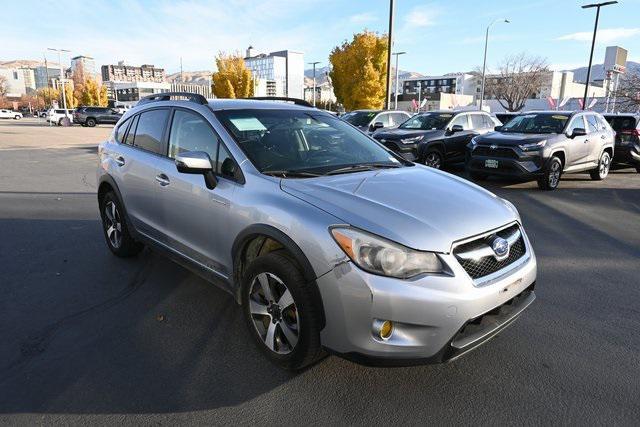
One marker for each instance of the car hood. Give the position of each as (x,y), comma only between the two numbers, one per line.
(416,206)
(397,134)
(508,138)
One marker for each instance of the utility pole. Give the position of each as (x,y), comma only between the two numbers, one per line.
(419,95)
(389,47)
(484,62)
(64,95)
(397,54)
(181,74)
(314,80)
(593,43)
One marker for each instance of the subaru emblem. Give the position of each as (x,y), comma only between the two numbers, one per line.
(493,146)
(501,248)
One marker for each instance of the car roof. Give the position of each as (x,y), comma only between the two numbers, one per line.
(252,104)
(634,115)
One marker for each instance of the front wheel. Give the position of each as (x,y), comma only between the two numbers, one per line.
(603,168)
(281,311)
(17,117)
(91,122)
(433,159)
(552,173)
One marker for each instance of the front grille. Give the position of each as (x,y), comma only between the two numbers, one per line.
(488,264)
(501,152)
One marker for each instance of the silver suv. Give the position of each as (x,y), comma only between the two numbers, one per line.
(328,240)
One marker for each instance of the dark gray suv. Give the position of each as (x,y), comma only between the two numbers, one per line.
(91,116)
(543,146)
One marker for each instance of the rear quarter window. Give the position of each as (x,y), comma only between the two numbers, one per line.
(150,129)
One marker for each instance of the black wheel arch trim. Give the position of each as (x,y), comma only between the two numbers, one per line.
(428,145)
(108,180)
(292,247)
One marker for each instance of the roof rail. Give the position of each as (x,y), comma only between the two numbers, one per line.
(166,96)
(296,101)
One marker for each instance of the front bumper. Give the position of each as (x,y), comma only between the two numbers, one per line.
(436,318)
(511,162)
(406,151)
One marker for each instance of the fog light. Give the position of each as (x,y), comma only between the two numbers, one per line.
(386,329)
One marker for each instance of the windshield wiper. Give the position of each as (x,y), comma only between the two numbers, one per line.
(362,167)
(290,173)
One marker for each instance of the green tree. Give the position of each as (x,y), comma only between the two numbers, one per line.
(359,71)
(233,78)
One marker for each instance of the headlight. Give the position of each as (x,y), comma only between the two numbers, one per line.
(474,141)
(412,140)
(380,256)
(532,146)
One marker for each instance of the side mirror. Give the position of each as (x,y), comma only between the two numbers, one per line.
(578,132)
(376,126)
(498,128)
(456,128)
(197,163)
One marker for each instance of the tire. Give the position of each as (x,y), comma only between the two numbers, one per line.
(116,233)
(433,158)
(60,122)
(478,176)
(17,118)
(293,331)
(90,122)
(603,168)
(552,173)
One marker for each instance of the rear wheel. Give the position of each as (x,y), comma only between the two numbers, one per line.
(91,122)
(603,168)
(17,117)
(638,169)
(281,312)
(434,159)
(552,174)
(60,122)
(115,228)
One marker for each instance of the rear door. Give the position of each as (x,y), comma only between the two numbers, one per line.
(196,219)
(596,137)
(139,158)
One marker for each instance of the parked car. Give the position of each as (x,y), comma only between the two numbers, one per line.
(627,128)
(314,230)
(10,114)
(543,146)
(436,138)
(57,115)
(369,121)
(504,117)
(91,116)
(121,109)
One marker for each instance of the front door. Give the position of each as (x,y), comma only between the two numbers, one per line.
(578,147)
(456,142)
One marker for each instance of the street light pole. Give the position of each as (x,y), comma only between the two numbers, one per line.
(484,62)
(64,95)
(419,94)
(387,100)
(593,43)
(397,54)
(314,81)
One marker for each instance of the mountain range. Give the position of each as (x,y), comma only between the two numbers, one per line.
(598,73)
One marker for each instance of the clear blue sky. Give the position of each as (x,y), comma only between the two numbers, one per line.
(439,36)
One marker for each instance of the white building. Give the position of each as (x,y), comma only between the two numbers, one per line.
(87,63)
(278,73)
(15,82)
(324,93)
(129,93)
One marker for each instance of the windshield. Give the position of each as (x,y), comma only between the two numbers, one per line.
(427,121)
(286,142)
(537,123)
(359,118)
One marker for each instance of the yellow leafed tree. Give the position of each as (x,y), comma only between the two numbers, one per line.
(49,95)
(233,78)
(72,102)
(91,94)
(359,71)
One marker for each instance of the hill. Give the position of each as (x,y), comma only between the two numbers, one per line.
(597,71)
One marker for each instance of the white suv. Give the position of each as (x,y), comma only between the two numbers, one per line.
(56,116)
(9,114)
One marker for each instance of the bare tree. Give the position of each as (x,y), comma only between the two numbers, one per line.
(519,78)
(3,86)
(628,93)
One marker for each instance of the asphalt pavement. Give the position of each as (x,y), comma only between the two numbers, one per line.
(87,337)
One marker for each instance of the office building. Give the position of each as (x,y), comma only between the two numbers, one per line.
(278,73)
(87,64)
(130,73)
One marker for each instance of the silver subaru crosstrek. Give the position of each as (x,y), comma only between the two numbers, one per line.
(328,240)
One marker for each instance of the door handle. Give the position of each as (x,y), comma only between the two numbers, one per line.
(163,179)
(120,160)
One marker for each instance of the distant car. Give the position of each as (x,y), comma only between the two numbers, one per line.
(544,145)
(10,114)
(438,137)
(506,116)
(369,121)
(91,116)
(627,127)
(56,116)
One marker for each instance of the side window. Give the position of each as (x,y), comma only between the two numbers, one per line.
(576,123)
(488,121)
(592,123)
(223,155)
(462,120)
(149,131)
(384,118)
(122,129)
(190,132)
(398,118)
(477,121)
(132,131)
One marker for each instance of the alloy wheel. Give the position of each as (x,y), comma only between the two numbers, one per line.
(274,313)
(605,164)
(433,160)
(554,175)
(113,224)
